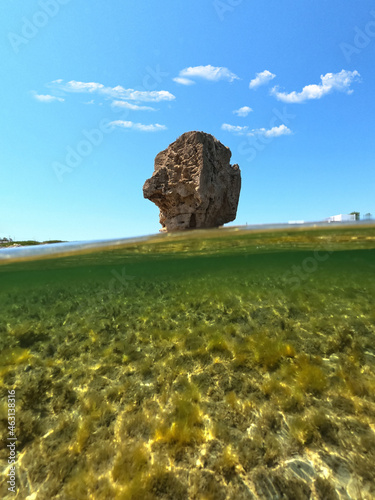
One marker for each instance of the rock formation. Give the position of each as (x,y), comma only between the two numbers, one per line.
(194,184)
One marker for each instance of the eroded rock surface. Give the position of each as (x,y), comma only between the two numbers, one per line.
(194,184)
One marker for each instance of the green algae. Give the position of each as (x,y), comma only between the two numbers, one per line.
(200,372)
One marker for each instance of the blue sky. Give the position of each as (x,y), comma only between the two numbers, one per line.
(92,91)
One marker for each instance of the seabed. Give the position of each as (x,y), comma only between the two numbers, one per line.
(217,365)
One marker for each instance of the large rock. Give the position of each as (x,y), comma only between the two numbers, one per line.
(194,184)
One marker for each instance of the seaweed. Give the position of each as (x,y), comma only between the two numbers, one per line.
(202,370)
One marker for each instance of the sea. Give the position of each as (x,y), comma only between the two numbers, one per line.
(223,364)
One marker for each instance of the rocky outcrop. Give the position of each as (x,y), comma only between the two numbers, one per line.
(194,184)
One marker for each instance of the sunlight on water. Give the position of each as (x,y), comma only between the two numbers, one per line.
(226,364)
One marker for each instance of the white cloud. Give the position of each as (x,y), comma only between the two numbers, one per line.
(236,129)
(138,126)
(183,81)
(261,79)
(151,96)
(117,92)
(272,132)
(74,86)
(244,111)
(329,82)
(47,98)
(211,73)
(132,107)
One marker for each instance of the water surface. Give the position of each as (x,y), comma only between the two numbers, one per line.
(222,364)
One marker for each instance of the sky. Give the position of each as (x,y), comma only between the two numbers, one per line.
(92,91)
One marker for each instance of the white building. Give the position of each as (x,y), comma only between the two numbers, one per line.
(341,218)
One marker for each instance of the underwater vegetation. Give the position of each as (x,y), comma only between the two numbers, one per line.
(204,377)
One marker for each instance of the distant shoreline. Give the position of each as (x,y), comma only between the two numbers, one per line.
(10,243)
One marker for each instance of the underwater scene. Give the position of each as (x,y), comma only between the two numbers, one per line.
(226,364)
